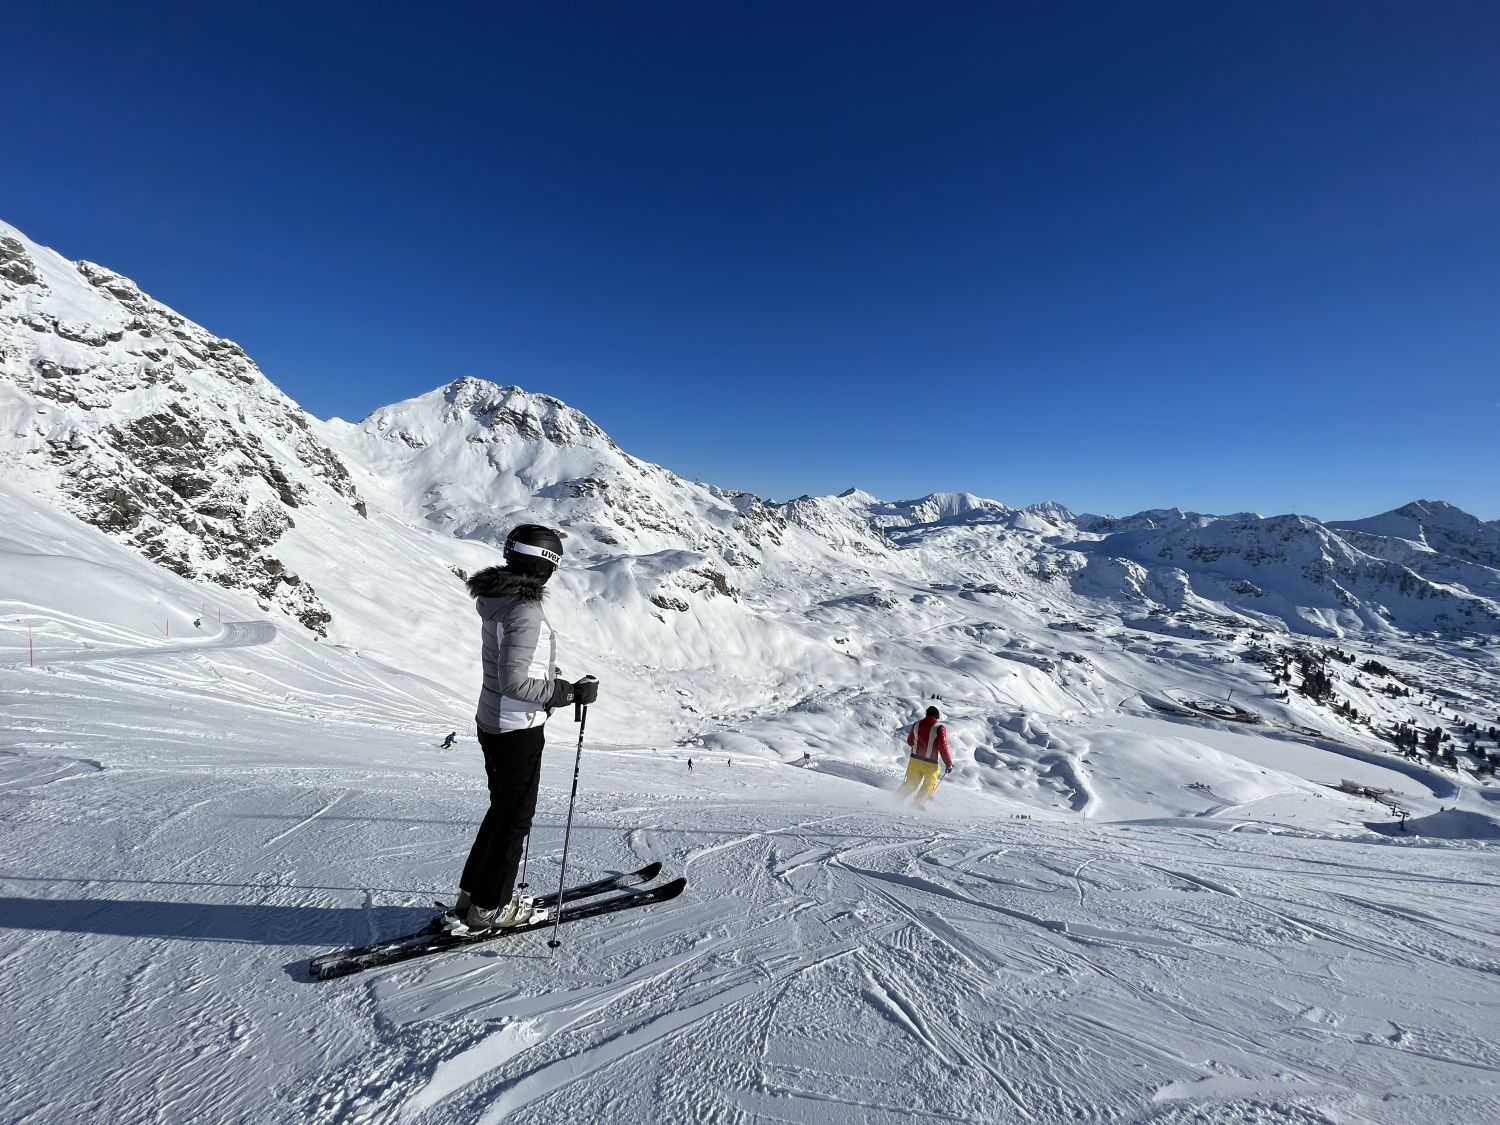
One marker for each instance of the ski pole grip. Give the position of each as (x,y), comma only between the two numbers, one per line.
(585,691)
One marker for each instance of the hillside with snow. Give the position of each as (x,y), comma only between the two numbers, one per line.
(1190,867)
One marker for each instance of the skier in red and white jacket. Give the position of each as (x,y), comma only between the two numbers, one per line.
(928,740)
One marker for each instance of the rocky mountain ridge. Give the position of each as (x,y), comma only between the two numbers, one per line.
(154,430)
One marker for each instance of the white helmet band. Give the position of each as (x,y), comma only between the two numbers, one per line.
(540,552)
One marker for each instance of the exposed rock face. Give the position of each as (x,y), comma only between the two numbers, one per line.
(155,430)
(531,416)
(15,263)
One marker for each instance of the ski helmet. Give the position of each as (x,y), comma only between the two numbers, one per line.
(533,549)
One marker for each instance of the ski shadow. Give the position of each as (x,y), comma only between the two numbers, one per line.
(329,926)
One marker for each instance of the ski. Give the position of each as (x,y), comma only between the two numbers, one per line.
(581,890)
(407,948)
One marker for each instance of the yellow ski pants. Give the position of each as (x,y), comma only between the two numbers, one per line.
(922,774)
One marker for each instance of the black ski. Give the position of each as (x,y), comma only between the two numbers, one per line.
(346,961)
(581,890)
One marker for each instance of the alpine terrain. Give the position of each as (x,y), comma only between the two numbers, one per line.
(1219,845)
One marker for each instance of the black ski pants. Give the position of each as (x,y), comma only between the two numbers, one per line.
(513,765)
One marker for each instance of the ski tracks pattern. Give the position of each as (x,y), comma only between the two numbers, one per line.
(863,969)
(854,966)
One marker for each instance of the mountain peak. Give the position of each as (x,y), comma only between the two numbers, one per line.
(1434,525)
(486,410)
(1052,510)
(1426,511)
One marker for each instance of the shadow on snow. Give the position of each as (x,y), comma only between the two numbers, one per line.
(198,921)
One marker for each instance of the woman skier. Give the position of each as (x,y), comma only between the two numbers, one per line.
(522,687)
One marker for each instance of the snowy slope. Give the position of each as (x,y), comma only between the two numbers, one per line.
(1140,897)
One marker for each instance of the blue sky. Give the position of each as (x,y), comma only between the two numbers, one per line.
(1229,256)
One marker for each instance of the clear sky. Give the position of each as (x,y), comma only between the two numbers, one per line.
(1226,256)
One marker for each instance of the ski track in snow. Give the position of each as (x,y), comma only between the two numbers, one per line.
(238,634)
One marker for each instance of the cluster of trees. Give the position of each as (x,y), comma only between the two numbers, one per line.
(1408,737)
(1408,734)
(1317,684)
(1438,745)
(1347,710)
(1279,664)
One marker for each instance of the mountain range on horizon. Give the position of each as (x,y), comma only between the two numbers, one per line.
(171,440)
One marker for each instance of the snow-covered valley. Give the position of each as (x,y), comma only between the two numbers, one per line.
(1165,884)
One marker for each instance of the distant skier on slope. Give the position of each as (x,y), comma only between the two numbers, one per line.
(928,740)
(448,742)
(521,688)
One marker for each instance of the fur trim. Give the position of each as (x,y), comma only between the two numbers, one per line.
(501,582)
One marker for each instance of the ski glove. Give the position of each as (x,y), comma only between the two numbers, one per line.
(562,694)
(586,690)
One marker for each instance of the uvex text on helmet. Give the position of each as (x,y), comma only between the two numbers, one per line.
(534,546)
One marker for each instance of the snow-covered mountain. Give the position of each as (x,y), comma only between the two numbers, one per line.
(1435,526)
(729,621)
(1292,570)
(1162,883)
(151,428)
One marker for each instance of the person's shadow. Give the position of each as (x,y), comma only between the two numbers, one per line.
(328,926)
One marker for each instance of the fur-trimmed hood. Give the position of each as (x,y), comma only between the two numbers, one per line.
(499,582)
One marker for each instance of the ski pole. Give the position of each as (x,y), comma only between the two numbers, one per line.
(582,716)
(525,858)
